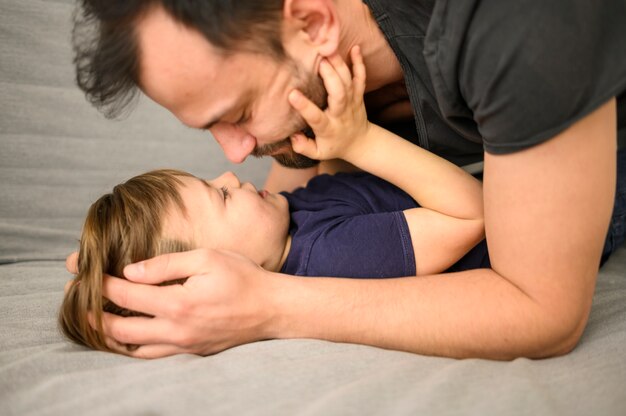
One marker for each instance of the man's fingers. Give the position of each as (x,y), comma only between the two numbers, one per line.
(143,351)
(138,330)
(155,351)
(67,286)
(149,299)
(170,266)
(116,346)
(71,263)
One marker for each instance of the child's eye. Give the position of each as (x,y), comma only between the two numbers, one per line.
(225,192)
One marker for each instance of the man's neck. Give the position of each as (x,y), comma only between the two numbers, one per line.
(359,27)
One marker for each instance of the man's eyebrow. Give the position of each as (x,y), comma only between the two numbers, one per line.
(213,121)
(229,111)
(210,124)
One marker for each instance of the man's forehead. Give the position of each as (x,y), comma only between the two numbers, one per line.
(167,48)
(181,71)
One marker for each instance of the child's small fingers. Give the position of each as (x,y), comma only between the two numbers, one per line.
(303,145)
(341,67)
(334,86)
(358,71)
(310,112)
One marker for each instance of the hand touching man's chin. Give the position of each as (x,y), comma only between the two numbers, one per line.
(284,154)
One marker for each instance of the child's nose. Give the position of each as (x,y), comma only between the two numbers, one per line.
(230,179)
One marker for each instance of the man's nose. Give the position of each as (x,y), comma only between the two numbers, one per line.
(236,143)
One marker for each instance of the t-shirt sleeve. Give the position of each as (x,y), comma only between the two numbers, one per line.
(529,69)
(364,246)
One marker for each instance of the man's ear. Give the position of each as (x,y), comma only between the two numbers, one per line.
(318,20)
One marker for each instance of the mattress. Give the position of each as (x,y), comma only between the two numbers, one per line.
(57,155)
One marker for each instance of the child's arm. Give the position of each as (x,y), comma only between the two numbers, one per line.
(450,221)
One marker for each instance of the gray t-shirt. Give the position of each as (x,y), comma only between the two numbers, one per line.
(505,75)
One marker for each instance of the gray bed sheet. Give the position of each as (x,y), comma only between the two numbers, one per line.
(57,155)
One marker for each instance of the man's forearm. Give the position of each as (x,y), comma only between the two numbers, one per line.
(474,313)
(285,179)
(547,210)
(280,178)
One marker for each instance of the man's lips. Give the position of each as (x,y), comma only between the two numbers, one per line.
(263,193)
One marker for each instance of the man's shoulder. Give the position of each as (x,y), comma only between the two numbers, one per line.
(523,71)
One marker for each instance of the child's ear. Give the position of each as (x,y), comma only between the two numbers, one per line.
(317,20)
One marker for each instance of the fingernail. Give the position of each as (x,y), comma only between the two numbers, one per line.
(135,270)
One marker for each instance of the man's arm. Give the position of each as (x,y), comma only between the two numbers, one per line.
(547,210)
(281,178)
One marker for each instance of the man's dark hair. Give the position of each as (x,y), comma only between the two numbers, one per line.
(106,50)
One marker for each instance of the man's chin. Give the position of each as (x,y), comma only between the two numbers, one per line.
(291,159)
(294,160)
(284,154)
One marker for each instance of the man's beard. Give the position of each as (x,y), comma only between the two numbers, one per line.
(288,157)
(315,91)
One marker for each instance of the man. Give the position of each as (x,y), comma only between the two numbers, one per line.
(538,85)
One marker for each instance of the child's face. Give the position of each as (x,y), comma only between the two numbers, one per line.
(241,219)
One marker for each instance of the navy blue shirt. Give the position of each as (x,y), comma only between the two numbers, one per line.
(353,225)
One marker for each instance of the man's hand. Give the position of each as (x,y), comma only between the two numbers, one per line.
(221,305)
(340,128)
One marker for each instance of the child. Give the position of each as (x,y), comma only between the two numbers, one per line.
(345,225)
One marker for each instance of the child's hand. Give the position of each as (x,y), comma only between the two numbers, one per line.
(338,128)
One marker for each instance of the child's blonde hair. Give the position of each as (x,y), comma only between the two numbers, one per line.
(122,227)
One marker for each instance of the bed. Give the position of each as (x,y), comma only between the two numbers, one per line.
(57,155)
